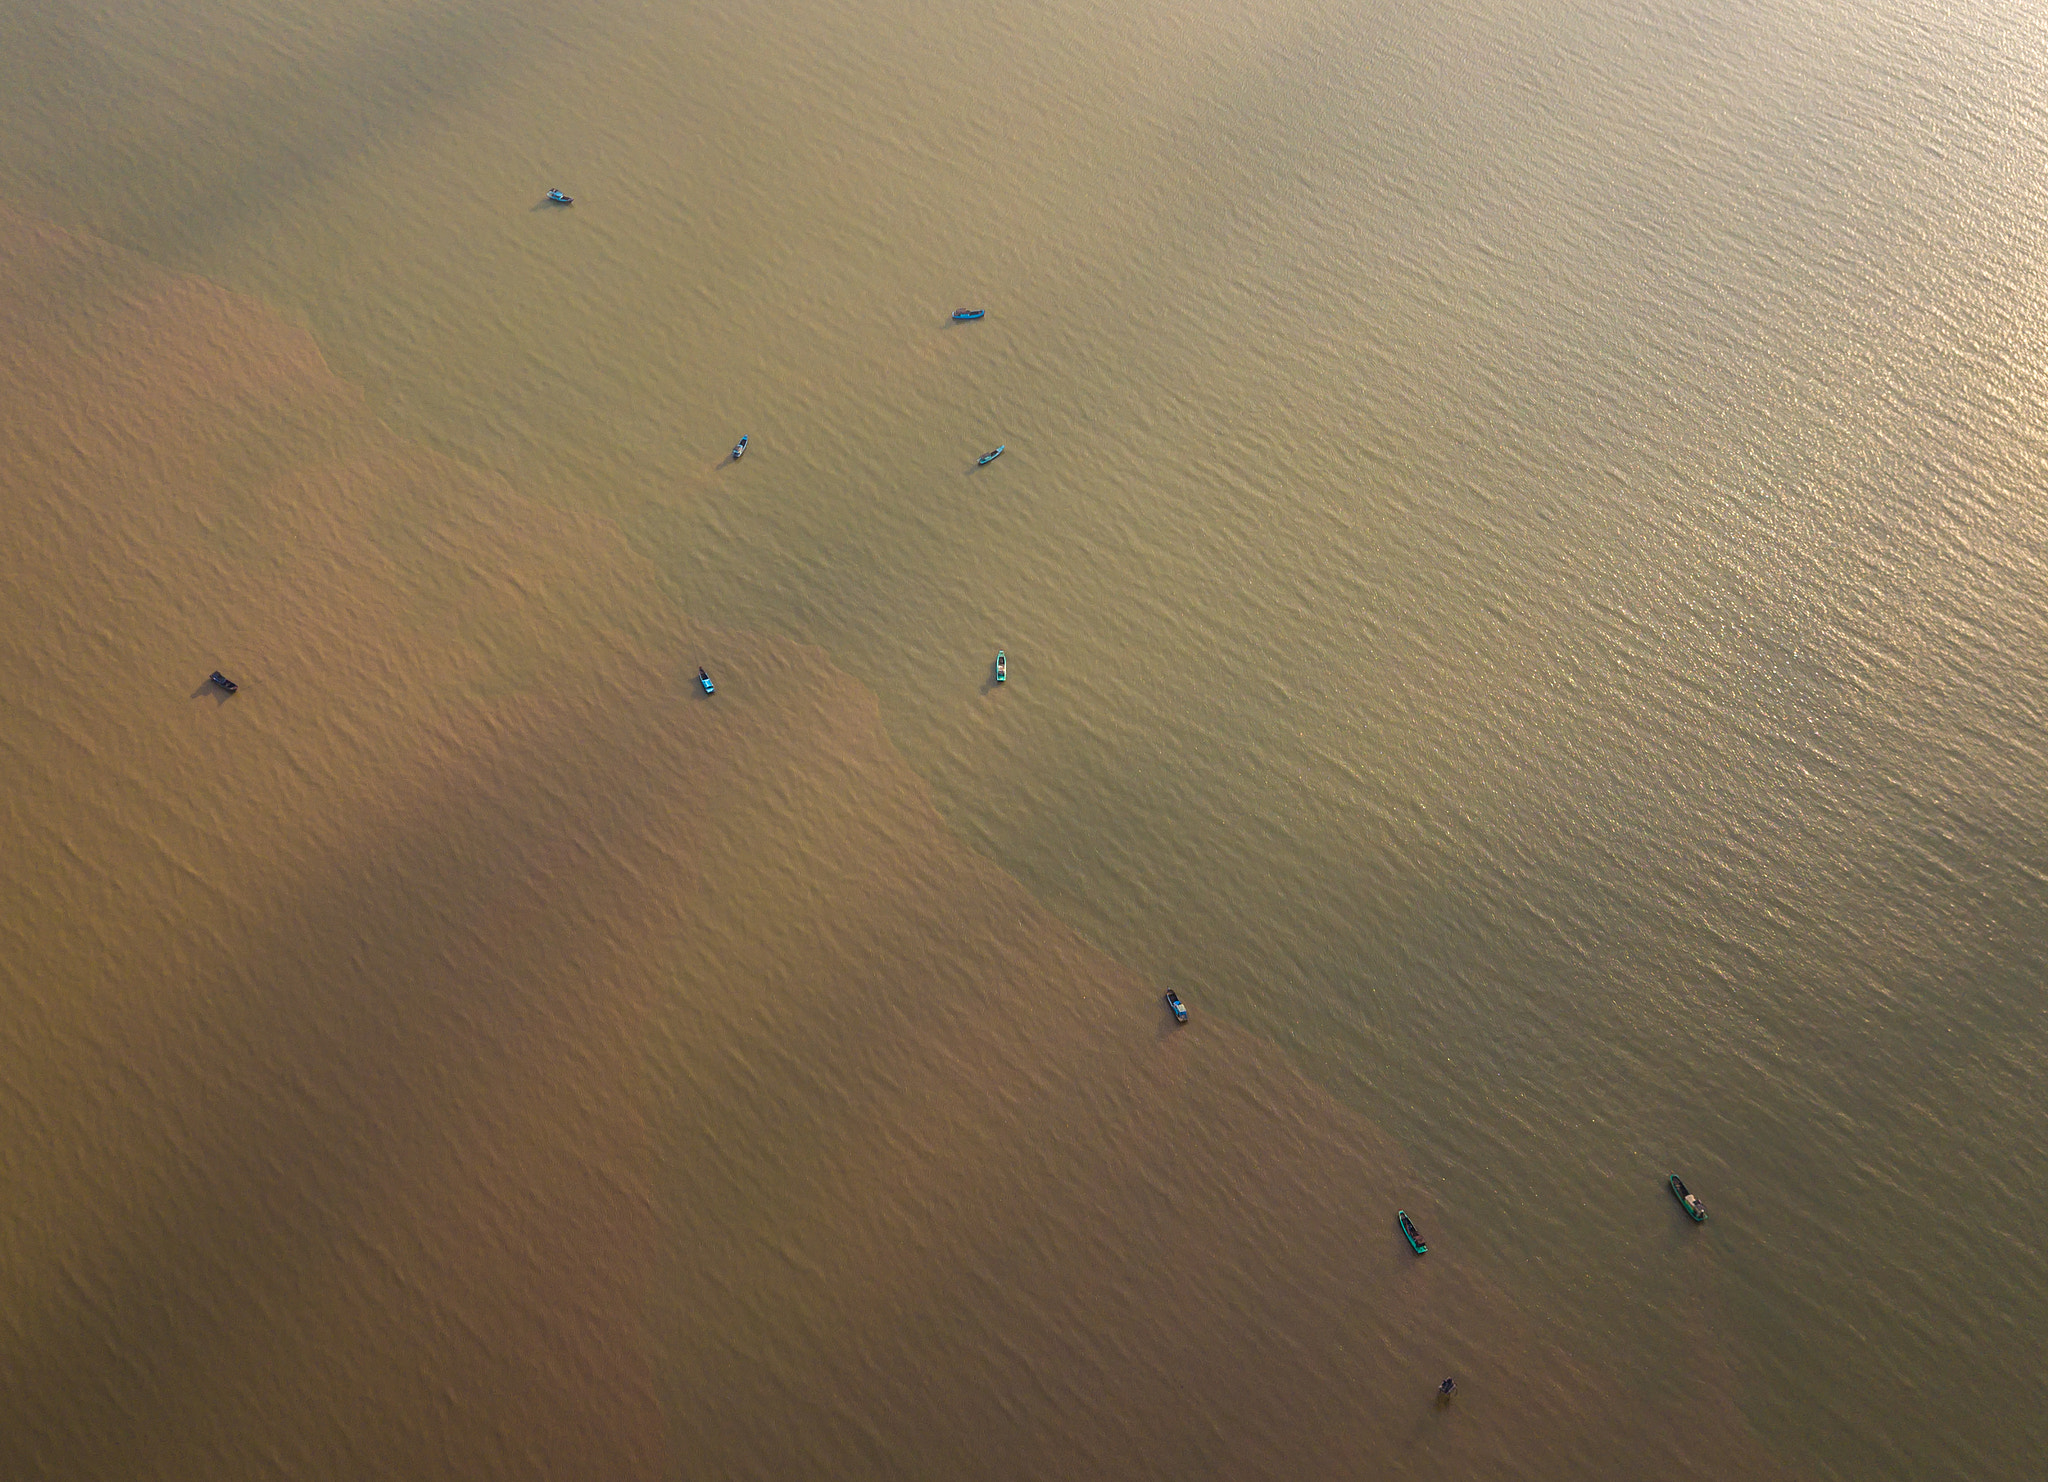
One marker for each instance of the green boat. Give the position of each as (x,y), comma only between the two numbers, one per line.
(1408,1228)
(1686,1201)
(1002,667)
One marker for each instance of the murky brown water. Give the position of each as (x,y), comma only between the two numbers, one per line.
(467,1050)
(1520,557)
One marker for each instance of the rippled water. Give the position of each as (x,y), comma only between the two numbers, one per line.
(1520,547)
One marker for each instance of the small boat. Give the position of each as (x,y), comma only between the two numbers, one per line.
(1448,1388)
(560,199)
(223,681)
(991,457)
(969,313)
(705,680)
(1002,667)
(739,450)
(1180,1010)
(1686,1200)
(1408,1228)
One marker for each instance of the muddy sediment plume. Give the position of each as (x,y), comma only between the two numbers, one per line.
(470,1051)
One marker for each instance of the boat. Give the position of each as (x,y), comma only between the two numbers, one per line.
(705,680)
(1180,1010)
(1408,1228)
(223,681)
(1002,667)
(739,450)
(991,457)
(1448,1388)
(560,199)
(1690,1204)
(969,313)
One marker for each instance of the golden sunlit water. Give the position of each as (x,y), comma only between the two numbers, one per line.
(1520,556)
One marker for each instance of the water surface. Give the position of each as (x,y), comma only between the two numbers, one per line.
(1519,550)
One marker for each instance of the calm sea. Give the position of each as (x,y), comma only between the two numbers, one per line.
(1521,548)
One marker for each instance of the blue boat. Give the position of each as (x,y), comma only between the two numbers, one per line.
(1179,1009)
(705,680)
(969,313)
(1408,1229)
(739,450)
(221,682)
(560,199)
(991,457)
